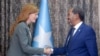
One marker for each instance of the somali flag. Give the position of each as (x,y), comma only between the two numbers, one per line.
(43,33)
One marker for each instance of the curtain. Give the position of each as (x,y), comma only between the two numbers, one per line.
(9,10)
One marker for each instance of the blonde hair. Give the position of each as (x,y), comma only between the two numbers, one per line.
(23,16)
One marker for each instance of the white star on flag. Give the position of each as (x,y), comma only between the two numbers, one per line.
(43,38)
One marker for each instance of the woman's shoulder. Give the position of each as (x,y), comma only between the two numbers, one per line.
(21,25)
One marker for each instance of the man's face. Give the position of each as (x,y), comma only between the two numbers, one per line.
(71,17)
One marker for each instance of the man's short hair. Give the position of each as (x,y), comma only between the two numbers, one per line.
(80,12)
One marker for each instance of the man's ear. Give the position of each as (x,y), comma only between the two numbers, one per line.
(77,15)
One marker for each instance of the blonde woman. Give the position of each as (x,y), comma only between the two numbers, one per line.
(20,44)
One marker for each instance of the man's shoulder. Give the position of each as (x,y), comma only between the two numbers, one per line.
(88,27)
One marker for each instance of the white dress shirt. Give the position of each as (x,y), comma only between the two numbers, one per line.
(77,26)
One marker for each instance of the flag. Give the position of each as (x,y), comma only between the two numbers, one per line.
(43,32)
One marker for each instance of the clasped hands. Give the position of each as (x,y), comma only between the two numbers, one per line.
(48,51)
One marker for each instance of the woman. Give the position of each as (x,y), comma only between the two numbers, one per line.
(20,44)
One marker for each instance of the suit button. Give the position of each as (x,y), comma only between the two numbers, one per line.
(67,54)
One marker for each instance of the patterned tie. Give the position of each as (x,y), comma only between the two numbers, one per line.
(71,35)
(72,31)
(69,39)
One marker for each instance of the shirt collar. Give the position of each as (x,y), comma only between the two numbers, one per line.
(78,25)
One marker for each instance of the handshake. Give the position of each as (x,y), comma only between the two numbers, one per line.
(48,51)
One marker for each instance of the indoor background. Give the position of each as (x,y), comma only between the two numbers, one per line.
(9,10)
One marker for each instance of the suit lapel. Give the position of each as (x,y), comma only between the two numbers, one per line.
(77,32)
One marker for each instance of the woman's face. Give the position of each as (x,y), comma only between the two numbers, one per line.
(32,17)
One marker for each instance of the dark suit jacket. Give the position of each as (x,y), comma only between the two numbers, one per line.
(20,44)
(83,43)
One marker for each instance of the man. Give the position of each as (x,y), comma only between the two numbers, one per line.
(81,39)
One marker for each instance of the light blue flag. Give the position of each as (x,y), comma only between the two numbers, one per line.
(43,33)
